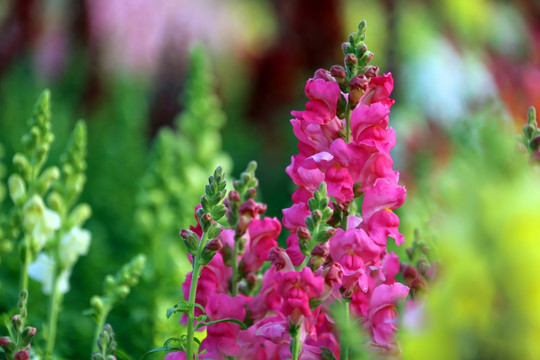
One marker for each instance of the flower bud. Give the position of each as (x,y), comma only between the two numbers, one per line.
(27,335)
(191,240)
(80,214)
(234,196)
(347,48)
(323,74)
(6,342)
(47,177)
(17,322)
(279,258)
(351,62)
(210,251)
(97,304)
(17,189)
(304,243)
(319,254)
(357,88)
(22,355)
(206,221)
(214,230)
(333,274)
(338,72)
(251,193)
(535,143)
(372,71)
(528,130)
(22,164)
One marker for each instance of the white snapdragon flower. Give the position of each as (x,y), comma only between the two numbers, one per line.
(39,221)
(42,270)
(72,245)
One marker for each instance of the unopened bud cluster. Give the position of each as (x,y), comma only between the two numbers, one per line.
(18,346)
(531,135)
(106,345)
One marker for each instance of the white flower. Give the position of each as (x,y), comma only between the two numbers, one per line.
(39,221)
(42,270)
(72,245)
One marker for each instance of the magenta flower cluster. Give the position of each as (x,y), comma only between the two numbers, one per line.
(279,291)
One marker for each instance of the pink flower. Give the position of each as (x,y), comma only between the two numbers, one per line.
(248,211)
(293,250)
(305,172)
(364,117)
(262,238)
(256,344)
(177,355)
(295,216)
(297,288)
(268,299)
(321,107)
(221,337)
(379,88)
(381,225)
(382,312)
(353,249)
(384,194)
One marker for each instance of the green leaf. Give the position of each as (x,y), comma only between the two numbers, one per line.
(161,348)
(242,325)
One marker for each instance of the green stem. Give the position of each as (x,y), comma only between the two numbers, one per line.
(234,280)
(348,123)
(344,345)
(297,345)
(100,323)
(54,308)
(191,302)
(26,262)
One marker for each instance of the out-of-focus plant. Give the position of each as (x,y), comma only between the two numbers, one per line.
(105,345)
(16,346)
(114,289)
(531,135)
(178,166)
(483,304)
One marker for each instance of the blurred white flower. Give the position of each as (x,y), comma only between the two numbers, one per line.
(72,245)
(42,270)
(39,221)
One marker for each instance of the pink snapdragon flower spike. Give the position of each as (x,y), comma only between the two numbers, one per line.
(344,140)
(340,220)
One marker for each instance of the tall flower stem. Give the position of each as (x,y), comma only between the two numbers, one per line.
(26,262)
(297,345)
(100,323)
(344,345)
(192,294)
(54,307)
(348,123)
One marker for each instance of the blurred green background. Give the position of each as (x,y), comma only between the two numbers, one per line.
(124,67)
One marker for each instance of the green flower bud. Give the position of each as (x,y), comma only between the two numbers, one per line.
(80,214)
(17,189)
(191,240)
(97,304)
(47,177)
(55,202)
(214,230)
(22,164)
(210,251)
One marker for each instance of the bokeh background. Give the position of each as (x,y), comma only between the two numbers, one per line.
(124,67)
